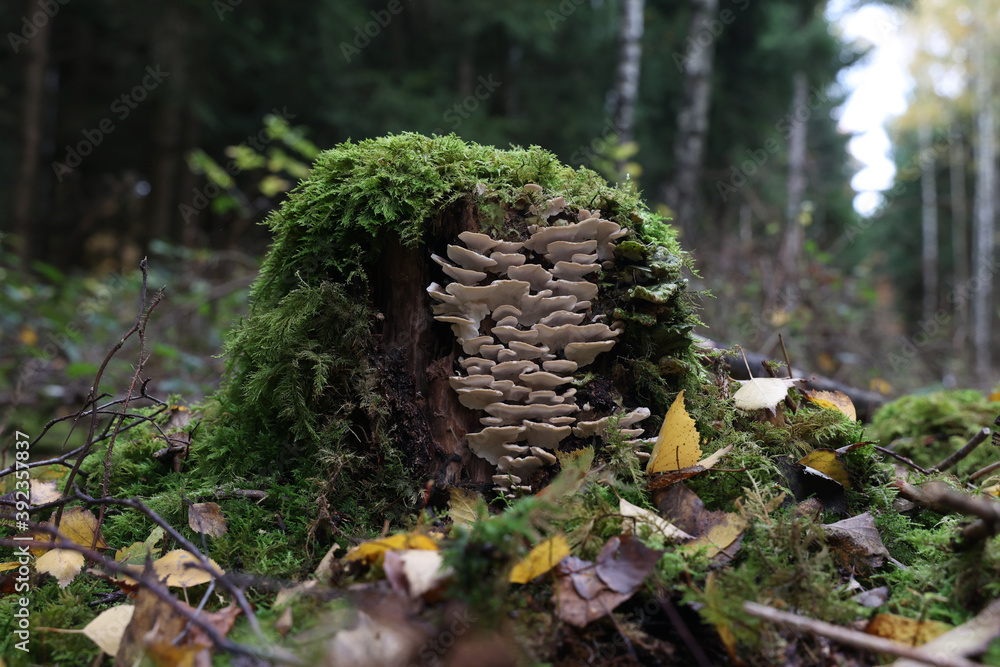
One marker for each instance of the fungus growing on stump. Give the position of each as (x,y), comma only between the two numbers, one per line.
(533,298)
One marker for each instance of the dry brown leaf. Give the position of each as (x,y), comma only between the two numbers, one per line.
(108,628)
(857,541)
(624,563)
(63,564)
(207,518)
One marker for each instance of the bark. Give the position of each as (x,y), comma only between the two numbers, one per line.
(35,56)
(928,220)
(982,311)
(791,247)
(959,231)
(626,90)
(695,63)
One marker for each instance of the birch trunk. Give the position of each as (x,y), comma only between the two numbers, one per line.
(982,294)
(928,220)
(791,246)
(959,232)
(626,90)
(695,64)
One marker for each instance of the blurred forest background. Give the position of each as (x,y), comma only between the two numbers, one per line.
(170,129)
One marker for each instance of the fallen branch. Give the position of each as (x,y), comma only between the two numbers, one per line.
(967,449)
(970,638)
(854,638)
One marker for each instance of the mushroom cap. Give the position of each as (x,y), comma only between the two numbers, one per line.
(463,327)
(466,381)
(526,350)
(536,275)
(507,334)
(572,271)
(438,294)
(634,417)
(540,434)
(478,242)
(489,442)
(469,259)
(543,380)
(509,321)
(590,428)
(547,458)
(505,261)
(490,351)
(533,188)
(583,290)
(509,370)
(536,306)
(508,246)
(544,396)
(505,355)
(477,365)
(560,317)
(541,237)
(560,366)
(521,467)
(563,250)
(557,338)
(492,296)
(505,311)
(472,345)
(478,398)
(562,420)
(515,414)
(585,352)
(464,276)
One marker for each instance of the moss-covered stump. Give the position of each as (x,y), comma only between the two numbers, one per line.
(341,368)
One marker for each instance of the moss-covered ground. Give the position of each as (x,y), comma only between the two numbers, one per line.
(300,421)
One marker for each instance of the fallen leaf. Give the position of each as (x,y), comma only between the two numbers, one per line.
(284,622)
(833,400)
(805,482)
(720,536)
(644,517)
(177,569)
(763,393)
(464,506)
(677,444)
(828,462)
(63,564)
(136,553)
(373,550)
(857,541)
(662,480)
(370,643)
(78,525)
(540,560)
(108,628)
(153,627)
(415,572)
(906,630)
(207,518)
(43,492)
(624,563)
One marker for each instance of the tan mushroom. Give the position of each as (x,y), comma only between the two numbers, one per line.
(541,434)
(505,261)
(469,259)
(559,251)
(543,380)
(478,398)
(572,271)
(535,274)
(472,345)
(464,276)
(560,366)
(584,353)
(509,370)
(466,381)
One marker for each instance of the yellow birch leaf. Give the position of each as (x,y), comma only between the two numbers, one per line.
(176,568)
(721,535)
(677,445)
(463,506)
(63,564)
(833,400)
(545,556)
(906,630)
(827,462)
(108,628)
(80,526)
(373,550)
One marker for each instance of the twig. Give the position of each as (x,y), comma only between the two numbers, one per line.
(974,442)
(853,637)
(903,459)
(784,353)
(682,629)
(984,471)
(970,638)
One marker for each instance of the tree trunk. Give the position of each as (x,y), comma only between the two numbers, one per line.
(36,56)
(692,119)
(791,247)
(959,233)
(982,310)
(928,220)
(626,90)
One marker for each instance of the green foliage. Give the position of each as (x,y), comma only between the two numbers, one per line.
(929,427)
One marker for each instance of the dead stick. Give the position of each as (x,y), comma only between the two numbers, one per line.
(974,442)
(903,459)
(984,471)
(853,637)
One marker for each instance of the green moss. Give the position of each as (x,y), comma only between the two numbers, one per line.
(929,427)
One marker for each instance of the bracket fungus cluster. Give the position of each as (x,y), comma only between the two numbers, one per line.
(522,314)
